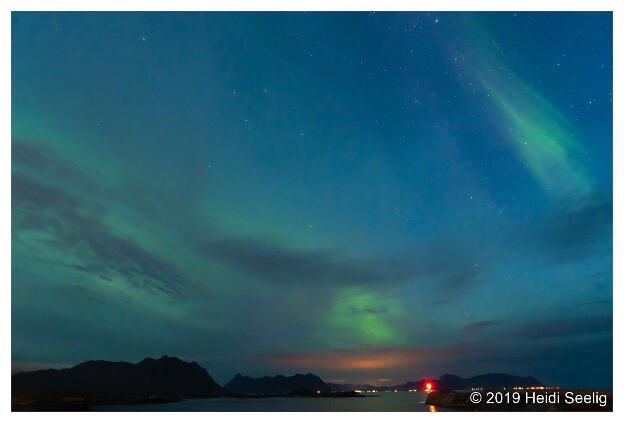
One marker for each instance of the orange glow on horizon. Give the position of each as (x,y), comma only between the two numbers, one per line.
(366,358)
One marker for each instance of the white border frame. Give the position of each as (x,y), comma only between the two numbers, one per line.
(282,5)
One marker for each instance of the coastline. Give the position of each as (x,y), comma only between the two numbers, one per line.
(81,402)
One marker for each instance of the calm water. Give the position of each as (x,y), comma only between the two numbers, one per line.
(382,401)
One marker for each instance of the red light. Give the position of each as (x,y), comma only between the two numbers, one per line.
(428,386)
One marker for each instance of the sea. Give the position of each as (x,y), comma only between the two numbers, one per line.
(379,401)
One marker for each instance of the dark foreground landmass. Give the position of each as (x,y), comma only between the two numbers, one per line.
(527,400)
(120,379)
(80,402)
(169,379)
(151,381)
(277,384)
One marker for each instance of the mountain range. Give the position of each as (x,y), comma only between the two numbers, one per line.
(170,379)
(276,385)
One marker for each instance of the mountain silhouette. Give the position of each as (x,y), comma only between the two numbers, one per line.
(490,380)
(105,378)
(276,384)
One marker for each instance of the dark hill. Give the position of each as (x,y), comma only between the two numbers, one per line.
(340,387)
(105,378)
(276,385)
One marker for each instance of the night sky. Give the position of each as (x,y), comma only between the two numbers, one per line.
(369,197)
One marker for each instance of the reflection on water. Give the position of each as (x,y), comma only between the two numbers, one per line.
(381,401)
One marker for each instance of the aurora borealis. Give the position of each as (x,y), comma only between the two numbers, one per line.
(363,196)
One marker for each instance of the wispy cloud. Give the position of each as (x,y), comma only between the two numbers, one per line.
(44,160)
(456,285)
(580,228)
(568,327)
(273,262)
(88,244)
(448,268)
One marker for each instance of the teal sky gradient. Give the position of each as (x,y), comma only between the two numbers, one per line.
(359,195)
